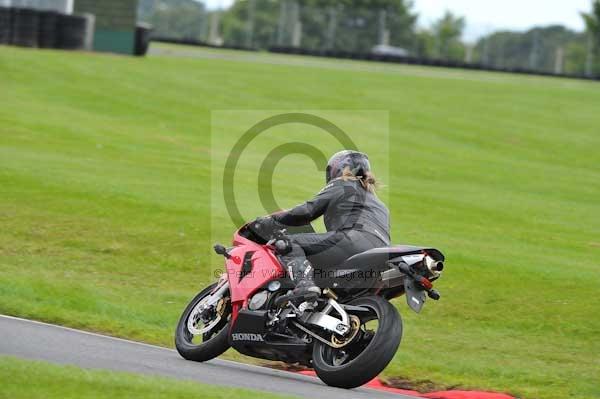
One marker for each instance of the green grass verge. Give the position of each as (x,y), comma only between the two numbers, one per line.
(104,200)
(22,379)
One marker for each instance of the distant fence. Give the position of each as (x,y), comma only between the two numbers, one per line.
(395,59)
(199,43)
(422,61)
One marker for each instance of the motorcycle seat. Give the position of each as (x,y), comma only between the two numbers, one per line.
(380,256)
(363,269)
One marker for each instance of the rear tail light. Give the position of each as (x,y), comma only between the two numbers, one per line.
(425,283)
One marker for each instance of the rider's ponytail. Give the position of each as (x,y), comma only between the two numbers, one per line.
(367,180)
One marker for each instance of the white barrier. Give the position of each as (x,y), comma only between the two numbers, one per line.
(62,6)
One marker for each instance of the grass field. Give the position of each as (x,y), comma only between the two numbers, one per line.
(105,200)
(22,379)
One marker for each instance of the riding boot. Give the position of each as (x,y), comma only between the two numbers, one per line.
(303,277)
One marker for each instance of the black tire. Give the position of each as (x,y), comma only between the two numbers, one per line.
(214,345)
(372,358)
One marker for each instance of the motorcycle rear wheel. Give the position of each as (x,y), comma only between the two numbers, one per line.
(210,344)
(368,354)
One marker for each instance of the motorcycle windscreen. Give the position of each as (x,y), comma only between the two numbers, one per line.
(415,296)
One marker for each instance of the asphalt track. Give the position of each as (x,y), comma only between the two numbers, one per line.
(40,341)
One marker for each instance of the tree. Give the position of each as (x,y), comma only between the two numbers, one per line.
(448,32)
(360,24)
(592,24)
(424,45)
(535,48)
(349,25)
(236,26)
(184,19)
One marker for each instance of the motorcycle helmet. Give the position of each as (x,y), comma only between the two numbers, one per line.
(356,161)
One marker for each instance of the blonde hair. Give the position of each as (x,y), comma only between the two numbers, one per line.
(367,181)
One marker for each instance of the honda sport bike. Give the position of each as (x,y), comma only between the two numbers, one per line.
(348,335)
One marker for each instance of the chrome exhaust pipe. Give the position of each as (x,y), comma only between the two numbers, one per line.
(434,266)
(438,266)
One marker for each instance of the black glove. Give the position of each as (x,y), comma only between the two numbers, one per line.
(283,245)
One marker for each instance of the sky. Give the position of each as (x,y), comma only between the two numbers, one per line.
(487,15)
(484,16)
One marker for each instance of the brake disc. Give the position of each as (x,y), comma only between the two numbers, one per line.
(197,319)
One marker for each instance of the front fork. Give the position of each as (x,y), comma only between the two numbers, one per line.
(217,294)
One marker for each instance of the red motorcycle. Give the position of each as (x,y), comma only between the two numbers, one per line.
(348,335)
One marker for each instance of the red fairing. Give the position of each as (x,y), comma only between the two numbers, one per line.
(265,267)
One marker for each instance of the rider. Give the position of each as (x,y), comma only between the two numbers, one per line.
(356,220)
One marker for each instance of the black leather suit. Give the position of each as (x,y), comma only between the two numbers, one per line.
(356,221)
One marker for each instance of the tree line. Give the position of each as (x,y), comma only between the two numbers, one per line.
(360,25)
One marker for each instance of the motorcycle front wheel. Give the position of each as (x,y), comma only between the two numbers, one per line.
(203,335)
(372,347)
